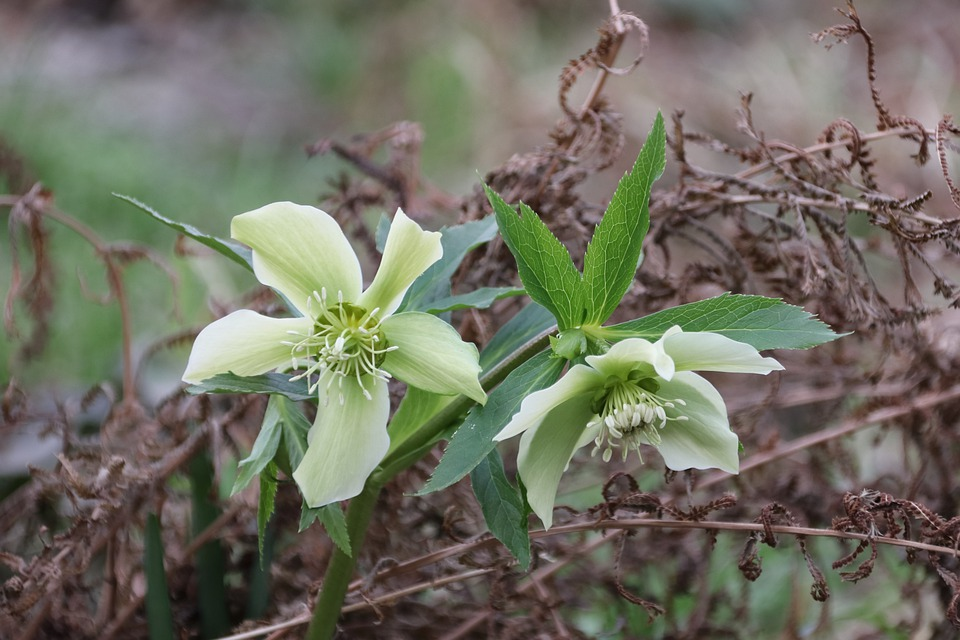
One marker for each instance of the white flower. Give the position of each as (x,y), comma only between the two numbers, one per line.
(637,393)
(350,339)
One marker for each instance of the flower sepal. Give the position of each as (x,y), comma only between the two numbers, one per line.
(345,344)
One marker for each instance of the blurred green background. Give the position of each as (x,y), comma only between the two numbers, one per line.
(202,110)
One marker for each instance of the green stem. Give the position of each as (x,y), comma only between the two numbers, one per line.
(431,430)
(326,613)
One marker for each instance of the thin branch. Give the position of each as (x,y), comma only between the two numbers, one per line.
(920,403)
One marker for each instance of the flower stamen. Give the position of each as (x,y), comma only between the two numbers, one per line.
(345,341)
(631,413)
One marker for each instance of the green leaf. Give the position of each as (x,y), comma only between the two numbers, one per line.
(416,407)
(544,264)
(763,323)
(258,579)
(529,322)
(333,521)
(159,609)
(265,506)
(457,242)
(295,429)
(502,507)
(264,447)
(237,252)
(211,565)
(278,383)
(610,262)
(471,443)
(383,229)
(477,299)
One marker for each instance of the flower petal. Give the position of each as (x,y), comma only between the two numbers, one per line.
(298,249)
(704,440)
(705,351)
(245,343)
(546,450)
(580,382)
(346,443)
(407,254)
(431,355)
(634,354)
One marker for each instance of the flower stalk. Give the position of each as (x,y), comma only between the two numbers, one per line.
(326,612)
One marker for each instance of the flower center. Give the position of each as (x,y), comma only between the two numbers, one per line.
(630,413)
(345,342)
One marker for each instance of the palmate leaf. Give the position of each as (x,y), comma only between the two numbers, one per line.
(761,322)
(233,250)
(610,262)
(544,264)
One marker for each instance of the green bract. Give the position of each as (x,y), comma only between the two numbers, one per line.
(349,339)
(639,392)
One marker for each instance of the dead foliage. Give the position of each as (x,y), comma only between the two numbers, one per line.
(806,221)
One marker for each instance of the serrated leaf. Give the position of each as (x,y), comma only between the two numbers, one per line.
(333,521)
(274,383)
(457,242)
(418,406)
(237,252)
(502,507)
(471,443)
(761,322)
(527,324)
(295,429)
(611,258)
(477,299)
(264,447)
(544,264)
(265,506)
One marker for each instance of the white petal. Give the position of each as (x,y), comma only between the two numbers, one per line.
(580,381)
(244,343)
(431,355)
(407,254)
(705,351)
(704,440)
(298,249)
(545,453)
(634,354)
(346,443)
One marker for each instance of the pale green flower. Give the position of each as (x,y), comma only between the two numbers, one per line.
(637,393)
(349,341)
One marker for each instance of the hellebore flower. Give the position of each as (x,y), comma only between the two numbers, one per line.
(350,339)
(637,393)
